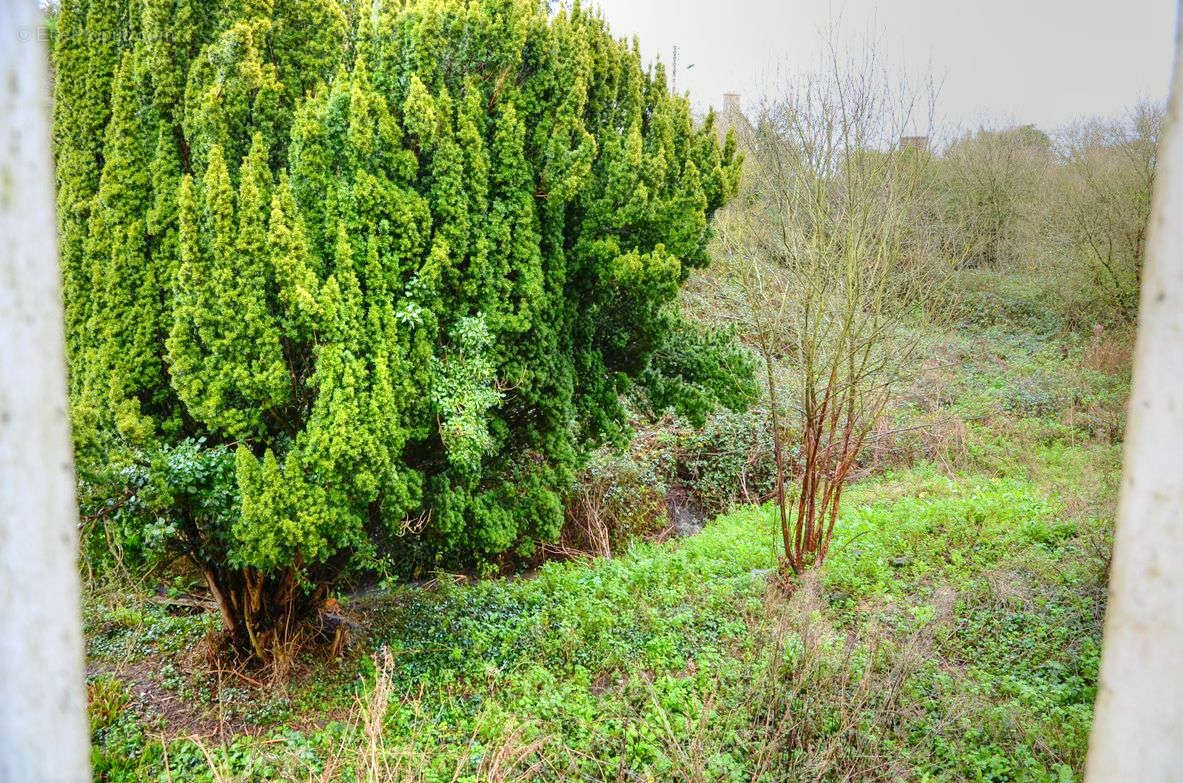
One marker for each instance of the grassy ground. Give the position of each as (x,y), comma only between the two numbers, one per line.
(954,634)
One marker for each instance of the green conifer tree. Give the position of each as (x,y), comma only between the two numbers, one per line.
(350,281)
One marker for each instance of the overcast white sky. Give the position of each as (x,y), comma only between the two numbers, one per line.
(1046,62)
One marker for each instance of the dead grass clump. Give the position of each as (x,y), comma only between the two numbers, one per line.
(1108,352)
(831,706)
(324,637)
(511,753)
(940,439)
(586,525)
(1008,587)
(514,755)
(617,497)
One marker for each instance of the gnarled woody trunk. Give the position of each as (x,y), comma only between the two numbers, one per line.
(261,612)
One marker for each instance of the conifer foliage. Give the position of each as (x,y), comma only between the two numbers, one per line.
(358,279)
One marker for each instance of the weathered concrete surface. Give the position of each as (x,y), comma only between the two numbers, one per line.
(1138,730)
(43,728)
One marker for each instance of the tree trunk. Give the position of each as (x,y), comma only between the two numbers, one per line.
(262,614)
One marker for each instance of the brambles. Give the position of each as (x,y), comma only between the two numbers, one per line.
(332,289)
(671,480)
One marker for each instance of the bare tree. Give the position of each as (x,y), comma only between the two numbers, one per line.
(992,187)
(827,252)
(1106,183)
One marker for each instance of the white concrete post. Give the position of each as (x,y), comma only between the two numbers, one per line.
(1138,730)
(43,727)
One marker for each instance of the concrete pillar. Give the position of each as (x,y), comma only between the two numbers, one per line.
(43,727)
(1138,730)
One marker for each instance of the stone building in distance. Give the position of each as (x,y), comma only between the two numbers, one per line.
(732,118)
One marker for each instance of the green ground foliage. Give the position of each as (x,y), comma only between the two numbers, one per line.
(355,284)
(954,633)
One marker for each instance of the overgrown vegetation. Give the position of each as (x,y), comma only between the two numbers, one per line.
(392,327)
(1072,207)
(953,634)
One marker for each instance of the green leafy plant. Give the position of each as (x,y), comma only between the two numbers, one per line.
(106,700)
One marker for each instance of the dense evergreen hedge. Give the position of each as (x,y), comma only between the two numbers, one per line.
(349,277)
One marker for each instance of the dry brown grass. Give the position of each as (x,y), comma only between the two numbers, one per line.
(828,702)
(611,504)
(940,439)
(1108,352)
(585,530)
(364,755)
(818,703)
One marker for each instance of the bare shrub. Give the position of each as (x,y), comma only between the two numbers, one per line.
(1108,352)
(832,278)
(1104,209)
